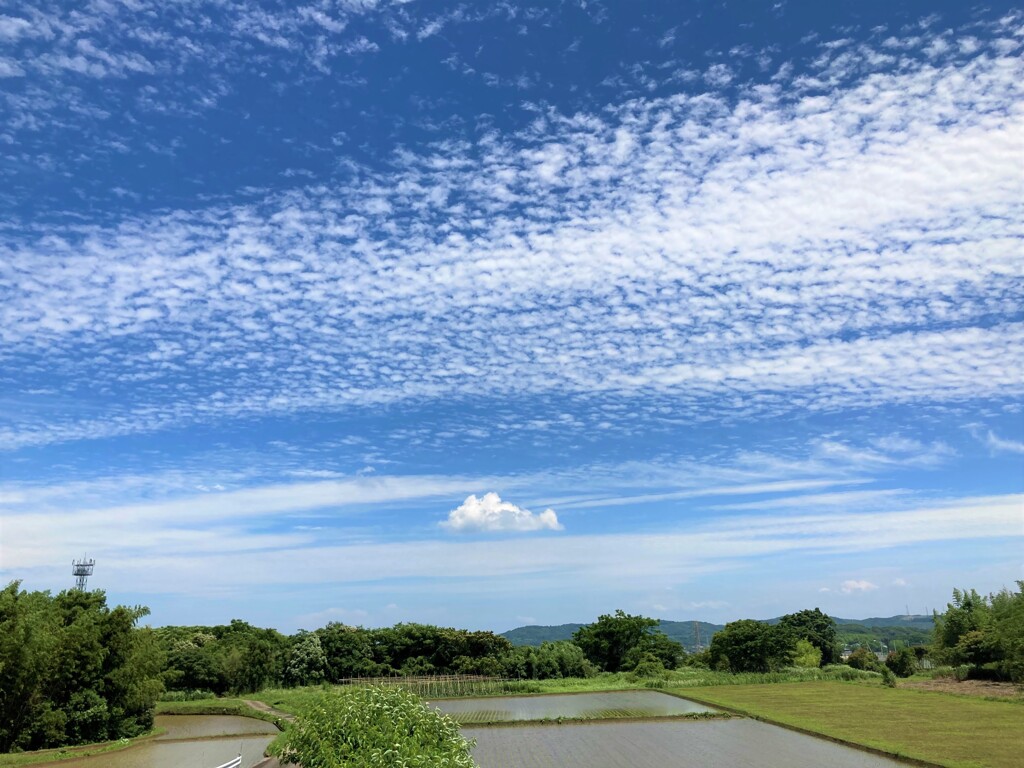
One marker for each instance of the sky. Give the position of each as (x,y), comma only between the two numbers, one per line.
(498,313)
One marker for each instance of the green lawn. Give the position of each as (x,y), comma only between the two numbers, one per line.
(946,730)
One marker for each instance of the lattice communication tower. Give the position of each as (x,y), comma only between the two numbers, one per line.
(82,570)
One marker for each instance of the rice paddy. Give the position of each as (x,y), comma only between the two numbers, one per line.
(584,706)
(736,743)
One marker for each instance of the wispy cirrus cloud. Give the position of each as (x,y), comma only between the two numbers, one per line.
(997,443)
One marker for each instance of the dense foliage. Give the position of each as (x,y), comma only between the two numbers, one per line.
(805,638)
(984,633)
(620,642)
(751,646)
(73,670)
(240,658)
(234,658)
(374,727)
(815,627)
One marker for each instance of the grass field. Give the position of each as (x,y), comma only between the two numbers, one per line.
(946,730)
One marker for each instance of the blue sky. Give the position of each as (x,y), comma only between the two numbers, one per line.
(484,314)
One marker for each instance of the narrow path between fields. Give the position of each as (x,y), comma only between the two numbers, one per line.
(264,707)
(270,762)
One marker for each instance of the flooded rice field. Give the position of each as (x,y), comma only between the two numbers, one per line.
(588,706)
(199,741)
(736,743)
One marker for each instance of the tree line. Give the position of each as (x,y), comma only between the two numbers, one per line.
(74,670)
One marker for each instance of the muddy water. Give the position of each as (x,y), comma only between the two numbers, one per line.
(666,744)
(578,705)
(202,741)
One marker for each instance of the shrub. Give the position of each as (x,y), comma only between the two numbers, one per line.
(903,662)
(373,727)
(649,667)
(888,678)
(862,658)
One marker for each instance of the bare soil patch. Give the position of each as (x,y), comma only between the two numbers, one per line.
(966,687)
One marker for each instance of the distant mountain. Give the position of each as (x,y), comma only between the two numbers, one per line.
(911,629)
(681,631)
(535,634)
(918,621)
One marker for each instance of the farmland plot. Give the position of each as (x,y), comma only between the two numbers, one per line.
(662,744)
(579,706)
(199,740)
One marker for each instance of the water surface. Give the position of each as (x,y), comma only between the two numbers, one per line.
(611,704)
(736,743)
(192,741)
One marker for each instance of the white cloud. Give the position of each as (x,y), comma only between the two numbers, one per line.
(490,513)
(996,443)
(857,585)
(877,262)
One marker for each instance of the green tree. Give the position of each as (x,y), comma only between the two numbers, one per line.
(806,654)
(1008,629)
(969,612)
(73,670)
(607,641)
(306,663)
(817,628)
(751,646)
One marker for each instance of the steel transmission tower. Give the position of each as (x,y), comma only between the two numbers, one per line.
(82,570)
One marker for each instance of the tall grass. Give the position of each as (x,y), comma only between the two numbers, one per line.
(701,677)
(438,686)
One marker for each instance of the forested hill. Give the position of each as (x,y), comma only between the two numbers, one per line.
(913,629)
(916,621)
(680,631)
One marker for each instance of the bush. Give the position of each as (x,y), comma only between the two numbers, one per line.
(862,658)
(649,667)
(903,662)
(888,678)
(373,727)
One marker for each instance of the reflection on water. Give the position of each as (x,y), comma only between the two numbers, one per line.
(661,743)
(595,705)
(202,741)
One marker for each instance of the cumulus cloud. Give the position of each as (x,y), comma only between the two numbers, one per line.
(490,513)
(857,585)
